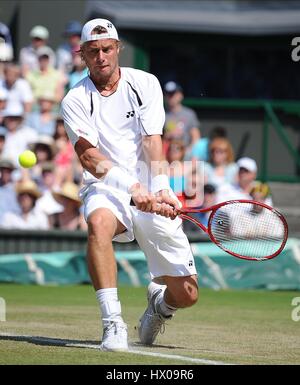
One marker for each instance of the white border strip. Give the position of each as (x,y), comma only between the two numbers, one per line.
(69,343)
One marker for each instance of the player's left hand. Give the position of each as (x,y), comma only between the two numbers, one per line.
(168,204)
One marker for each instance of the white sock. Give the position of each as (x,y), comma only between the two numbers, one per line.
(163,308)
(160,303)
(153,286)
(109,305)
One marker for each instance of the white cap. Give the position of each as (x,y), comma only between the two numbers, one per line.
(40,32)
(13,109)
(247,163)
(111,32)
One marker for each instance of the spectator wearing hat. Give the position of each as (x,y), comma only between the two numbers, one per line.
(30,218)
(46,79)
(241,189)
(18,135)
(43,120)
(65,52)
(28,59)
(8,198)
(181,122)
(18,89)
(70,218)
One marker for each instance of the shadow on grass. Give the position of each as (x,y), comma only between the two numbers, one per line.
(68,343)
(49,341)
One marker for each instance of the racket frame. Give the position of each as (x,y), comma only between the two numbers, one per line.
(185,210)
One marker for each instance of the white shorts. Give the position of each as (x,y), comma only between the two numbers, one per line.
(162,240)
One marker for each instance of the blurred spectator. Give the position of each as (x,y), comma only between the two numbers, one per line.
(44,148)
(79,68)
(8,198)
(39,36)
(6,48)
(181,122)
(222,168)
(65,154)
(6,56)
(2,139)
(247,172)
(29,217)
(46,79)
(70,218)
(43,120)
(65,51)
(47,204)
(175,156)
(209,199)
(18,135)
(5,34)
(3,102)
(200,149)
(18,89)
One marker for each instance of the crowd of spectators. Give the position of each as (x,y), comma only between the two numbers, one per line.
(32,85)
(202,170)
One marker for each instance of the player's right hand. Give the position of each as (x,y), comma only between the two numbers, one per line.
(142,199)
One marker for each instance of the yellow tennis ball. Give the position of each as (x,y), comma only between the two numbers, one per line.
(27,159)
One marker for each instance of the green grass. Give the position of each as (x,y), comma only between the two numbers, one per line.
(242,327)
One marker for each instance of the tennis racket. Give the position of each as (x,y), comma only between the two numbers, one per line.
(245,229)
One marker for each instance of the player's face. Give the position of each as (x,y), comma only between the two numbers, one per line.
(101,57)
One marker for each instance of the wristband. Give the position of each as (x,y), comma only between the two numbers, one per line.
(160,182)
(119,179)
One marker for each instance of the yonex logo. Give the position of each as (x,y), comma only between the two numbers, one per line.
(130,114)
(190,263)
(109,25)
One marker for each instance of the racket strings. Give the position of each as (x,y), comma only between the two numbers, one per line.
(248,229)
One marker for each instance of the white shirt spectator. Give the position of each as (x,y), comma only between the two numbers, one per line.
(229,191)
(48,205)
(17,142)
(20,92)
(35,220)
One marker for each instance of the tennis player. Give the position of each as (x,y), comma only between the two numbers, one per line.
(114,118)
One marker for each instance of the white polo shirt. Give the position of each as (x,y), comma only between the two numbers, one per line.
(115,124)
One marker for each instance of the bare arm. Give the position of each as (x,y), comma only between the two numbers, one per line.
(91,158)
(153,150)
(152,146)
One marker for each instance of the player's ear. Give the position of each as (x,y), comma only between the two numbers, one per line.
(82,53)
(119,46)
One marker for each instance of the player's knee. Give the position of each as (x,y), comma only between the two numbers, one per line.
(186,297)
(190,297)
(98,227)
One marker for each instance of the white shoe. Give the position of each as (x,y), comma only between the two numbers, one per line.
(151,322)
(115,337)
